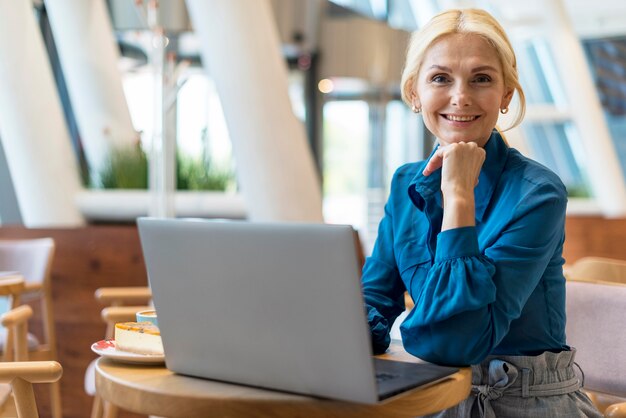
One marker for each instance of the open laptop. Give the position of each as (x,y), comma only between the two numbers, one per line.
(272,305)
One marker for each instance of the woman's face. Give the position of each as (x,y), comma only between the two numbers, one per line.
(460,88)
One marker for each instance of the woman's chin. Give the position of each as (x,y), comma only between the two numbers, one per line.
(455,139)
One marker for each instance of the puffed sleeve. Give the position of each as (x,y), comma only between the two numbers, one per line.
(465,306)
(383,289)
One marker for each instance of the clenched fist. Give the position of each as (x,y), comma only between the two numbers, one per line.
(460,165)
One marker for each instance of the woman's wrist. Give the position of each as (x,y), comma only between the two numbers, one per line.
(459,210)
(455,191)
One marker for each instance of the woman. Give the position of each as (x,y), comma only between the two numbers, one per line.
(475,234)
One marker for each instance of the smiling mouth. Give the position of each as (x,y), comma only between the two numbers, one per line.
(454,118)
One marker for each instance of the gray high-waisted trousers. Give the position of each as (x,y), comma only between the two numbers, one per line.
(543,386)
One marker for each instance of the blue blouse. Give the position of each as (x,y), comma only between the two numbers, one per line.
(493,288)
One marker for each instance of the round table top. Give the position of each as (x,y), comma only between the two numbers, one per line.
(156,390)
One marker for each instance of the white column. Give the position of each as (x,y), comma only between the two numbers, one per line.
(241,50)
(34,136)
(603,167)
(89,56)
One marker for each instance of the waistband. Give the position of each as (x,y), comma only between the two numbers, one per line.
(547,374)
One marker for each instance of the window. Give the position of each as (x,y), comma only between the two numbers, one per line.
(548,130)
(346,134)
(607,58)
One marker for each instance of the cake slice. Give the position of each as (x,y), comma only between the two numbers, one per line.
(138,337)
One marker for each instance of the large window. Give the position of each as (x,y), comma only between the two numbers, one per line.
(197,120)
(550,144)
(346,133)
(607,57)
(549,133)
(367,136)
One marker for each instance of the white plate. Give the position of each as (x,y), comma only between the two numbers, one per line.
(106,348)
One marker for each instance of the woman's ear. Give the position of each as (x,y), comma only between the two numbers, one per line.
(506,99)
(416,106)
(415,101)
(410,91)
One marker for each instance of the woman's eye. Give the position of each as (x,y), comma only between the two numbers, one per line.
(439,79)
(482,79)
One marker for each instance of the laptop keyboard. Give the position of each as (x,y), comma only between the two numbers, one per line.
(394,377)
(382,377)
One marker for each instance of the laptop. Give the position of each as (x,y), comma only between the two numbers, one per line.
(271,305)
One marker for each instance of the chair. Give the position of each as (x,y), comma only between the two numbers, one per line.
(124,296)
(11,288)
(21,373)
(117,300)
(597,269)
(595,327)
(32,258)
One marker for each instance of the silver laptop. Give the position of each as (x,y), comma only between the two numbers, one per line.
(272,305)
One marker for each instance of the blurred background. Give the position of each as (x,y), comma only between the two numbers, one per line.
(343,59)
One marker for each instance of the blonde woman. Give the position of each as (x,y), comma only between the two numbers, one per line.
(475,234)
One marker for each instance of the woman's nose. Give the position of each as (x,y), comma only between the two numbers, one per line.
(461,96)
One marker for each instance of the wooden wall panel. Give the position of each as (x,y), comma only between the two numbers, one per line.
(594,235)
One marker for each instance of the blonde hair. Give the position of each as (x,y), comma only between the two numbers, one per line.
(465,21)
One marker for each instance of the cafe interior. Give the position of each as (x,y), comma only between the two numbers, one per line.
(264,111)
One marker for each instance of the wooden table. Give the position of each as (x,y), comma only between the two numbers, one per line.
(155,390)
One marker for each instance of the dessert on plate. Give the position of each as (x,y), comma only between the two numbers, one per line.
(138,337)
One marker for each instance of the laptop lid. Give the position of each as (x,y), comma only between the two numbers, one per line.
(275,305)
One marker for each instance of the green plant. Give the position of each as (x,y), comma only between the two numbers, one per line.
(127,168)
(195,174)
(578,190)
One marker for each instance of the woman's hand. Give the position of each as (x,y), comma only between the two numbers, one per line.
(460,165)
